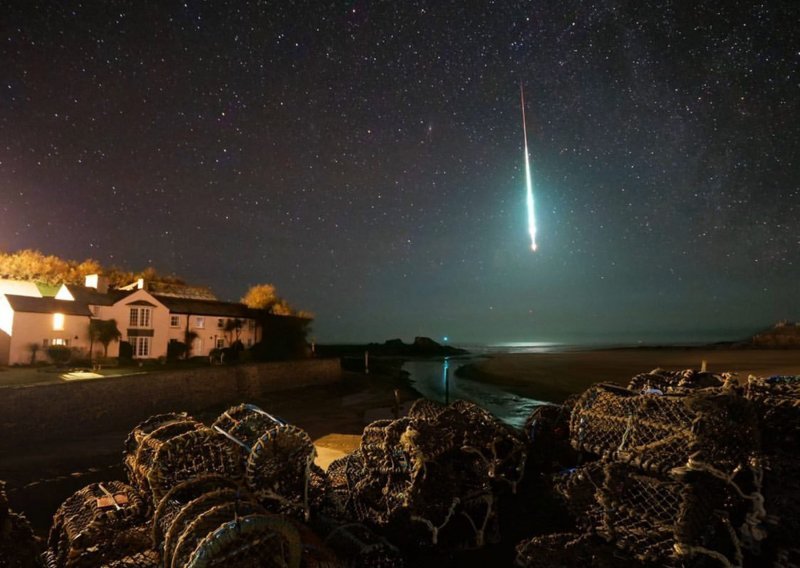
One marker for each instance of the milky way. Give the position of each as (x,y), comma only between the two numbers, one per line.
(364,157)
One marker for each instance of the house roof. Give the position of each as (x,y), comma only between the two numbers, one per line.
(207,307)
(47,306)
(95,298)
(19,288)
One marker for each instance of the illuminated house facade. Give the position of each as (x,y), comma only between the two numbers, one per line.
(146,320)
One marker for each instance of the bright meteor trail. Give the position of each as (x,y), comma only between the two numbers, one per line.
(528,178)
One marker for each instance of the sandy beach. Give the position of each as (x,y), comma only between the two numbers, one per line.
(554,376)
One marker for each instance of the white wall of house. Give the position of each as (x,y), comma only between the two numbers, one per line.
(156,320)
(19,288)
(39,328)
(6,329)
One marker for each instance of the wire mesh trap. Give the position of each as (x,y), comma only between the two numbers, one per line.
(659,432)
(430,478)
(167,449)
(569,550)
(101,523)
(277,458)
(777,402)
(675,382)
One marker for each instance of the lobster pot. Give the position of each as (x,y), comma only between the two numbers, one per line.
(147,559)
(656,433)
(279,468)
(546,433)
(426,482)
(675,381)
(181,495)
(144,441)
(223,528)
(195,453)
(100,523)
(340,480)
(777,402)
(362,548)
(667,519)
(577,487)
(246,423)
(565,550)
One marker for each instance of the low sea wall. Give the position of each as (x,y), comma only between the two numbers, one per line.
(76,408)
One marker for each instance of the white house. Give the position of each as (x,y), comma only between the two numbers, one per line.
(146,320)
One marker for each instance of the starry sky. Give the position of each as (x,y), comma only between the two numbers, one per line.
(366,157)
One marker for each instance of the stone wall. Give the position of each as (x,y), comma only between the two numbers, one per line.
(73,409)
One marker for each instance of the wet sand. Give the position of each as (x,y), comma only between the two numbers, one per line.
(553,377)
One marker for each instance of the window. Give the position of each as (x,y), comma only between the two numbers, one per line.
(174,321)
(57,341)
(220,343)
(221,323)
(141,346)
(251,325)
(95,310)
(58,322)
(200,322)
(140,317)
(45,343)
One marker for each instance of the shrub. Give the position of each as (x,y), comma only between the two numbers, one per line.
(59,354)
(125,352)
(176,350)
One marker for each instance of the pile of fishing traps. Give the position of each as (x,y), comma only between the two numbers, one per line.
(672,471)
(230,494)
(17,544)
(431,478)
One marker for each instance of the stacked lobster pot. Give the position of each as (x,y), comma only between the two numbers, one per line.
(431,478)
(99,525)
(677,478)
(198,496)
(277,458)
(777,402)
(211,521)
(166,449)
(17,543)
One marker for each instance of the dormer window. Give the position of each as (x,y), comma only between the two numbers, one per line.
(58,322)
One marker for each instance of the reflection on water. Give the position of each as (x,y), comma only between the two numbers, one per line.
(436,379)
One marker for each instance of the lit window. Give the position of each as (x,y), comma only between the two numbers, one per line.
(200,322)
(59,341)
(58,322)
(174,321)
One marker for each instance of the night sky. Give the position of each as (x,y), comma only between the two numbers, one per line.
(366,157)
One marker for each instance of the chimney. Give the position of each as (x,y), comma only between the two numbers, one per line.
(140,284)
(99,283)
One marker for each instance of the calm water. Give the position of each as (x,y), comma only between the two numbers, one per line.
(436,379)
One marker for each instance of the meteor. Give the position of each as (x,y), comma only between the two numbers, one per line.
(528,178)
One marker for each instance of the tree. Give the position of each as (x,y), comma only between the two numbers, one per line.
(233,330)
(188,338)
(261,297)
(34,349)
(104,332)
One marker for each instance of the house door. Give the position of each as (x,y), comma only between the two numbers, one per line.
(197,347)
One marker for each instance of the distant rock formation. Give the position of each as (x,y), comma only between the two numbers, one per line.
(421,347)
(783,335)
